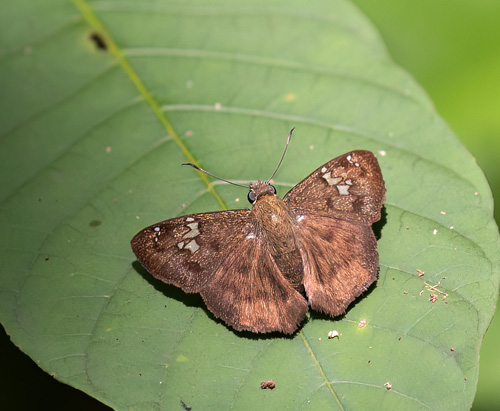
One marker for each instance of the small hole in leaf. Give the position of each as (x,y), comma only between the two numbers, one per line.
(98,40)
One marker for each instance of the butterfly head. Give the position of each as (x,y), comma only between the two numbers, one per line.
(260,189)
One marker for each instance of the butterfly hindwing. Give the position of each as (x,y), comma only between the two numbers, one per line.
(249,292)
(349,187)
(217,255)
(340,261)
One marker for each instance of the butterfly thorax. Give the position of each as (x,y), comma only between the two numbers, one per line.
(276,227)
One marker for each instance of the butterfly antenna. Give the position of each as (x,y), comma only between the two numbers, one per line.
(211,175)
(283,155)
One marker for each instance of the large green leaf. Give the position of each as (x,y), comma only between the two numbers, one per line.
(91,146)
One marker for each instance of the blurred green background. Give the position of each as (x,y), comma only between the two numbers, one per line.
(452,49)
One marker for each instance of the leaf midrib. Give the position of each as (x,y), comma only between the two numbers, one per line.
(116,52)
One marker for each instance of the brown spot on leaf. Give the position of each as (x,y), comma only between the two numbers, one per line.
(99,41)
(95,223)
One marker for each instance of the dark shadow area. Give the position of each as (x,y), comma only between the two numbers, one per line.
(379,225)
(25,386)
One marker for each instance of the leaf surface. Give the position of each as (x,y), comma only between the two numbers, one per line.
(91,142)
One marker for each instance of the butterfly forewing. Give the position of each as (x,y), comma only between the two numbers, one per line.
(186,251)
(349,187)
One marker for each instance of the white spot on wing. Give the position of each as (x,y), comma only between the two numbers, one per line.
(192,246)
(251,235)
(343,190)
(193,231)
(300,218)
(180,245)
(331,180)
(189,219)
(323,170)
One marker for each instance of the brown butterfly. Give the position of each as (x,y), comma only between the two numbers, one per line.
(260,269)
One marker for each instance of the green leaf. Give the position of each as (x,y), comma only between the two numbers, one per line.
(90,152)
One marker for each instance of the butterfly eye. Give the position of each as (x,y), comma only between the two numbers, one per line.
(273,188)
(251,197)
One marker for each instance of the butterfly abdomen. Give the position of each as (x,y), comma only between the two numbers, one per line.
(274,219)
